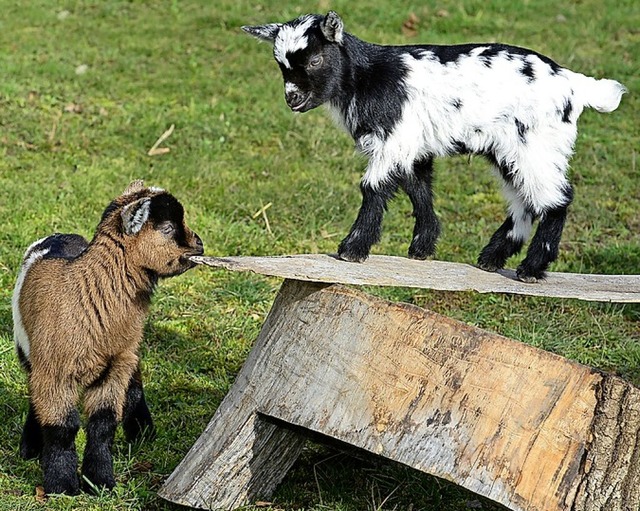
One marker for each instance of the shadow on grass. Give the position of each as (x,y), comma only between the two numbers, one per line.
(621,259)
(616,260)
(17,477)
(330,476)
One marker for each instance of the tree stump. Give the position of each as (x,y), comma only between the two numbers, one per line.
(518,425)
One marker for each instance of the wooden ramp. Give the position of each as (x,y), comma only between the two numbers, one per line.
(523,427)
(440,275)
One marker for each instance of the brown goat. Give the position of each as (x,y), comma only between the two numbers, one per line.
(79,310)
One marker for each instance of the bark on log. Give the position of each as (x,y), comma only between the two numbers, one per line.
(523,427)
(440,275)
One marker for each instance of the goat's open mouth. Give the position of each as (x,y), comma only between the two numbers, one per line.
(186,258)
(300,107)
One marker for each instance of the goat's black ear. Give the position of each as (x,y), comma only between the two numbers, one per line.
(134,186)
(266,32)
(135,215)
(332,27)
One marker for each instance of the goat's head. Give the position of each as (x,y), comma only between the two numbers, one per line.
(149,223)
(308,51)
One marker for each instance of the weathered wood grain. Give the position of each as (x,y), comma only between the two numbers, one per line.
(247,467)
(523,427)
(440,275)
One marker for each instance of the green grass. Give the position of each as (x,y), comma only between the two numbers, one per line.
(70,142)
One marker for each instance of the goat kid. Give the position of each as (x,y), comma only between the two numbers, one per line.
(405,105)
(79,310)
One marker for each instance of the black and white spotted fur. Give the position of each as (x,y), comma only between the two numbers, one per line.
(405,105)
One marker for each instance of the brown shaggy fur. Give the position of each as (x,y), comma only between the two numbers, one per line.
(84,316)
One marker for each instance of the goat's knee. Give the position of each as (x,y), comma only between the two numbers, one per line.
(97,465)
(59,459)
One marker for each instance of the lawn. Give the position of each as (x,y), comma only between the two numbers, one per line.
(88,87)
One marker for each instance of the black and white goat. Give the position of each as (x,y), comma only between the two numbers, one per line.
(405,105)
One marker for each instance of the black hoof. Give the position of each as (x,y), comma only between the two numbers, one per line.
(95,484)
(352,252)
(97,476)
(138,431)
(421,250)
(67,484)
(529,275)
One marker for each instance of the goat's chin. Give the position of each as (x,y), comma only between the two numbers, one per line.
(183,264)
(309,104)
(175,272)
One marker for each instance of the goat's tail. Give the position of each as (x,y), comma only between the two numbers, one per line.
(604,95)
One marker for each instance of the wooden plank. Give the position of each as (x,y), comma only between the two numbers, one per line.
(523,427)
(440,275)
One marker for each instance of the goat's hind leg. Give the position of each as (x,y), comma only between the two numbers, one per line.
(417,186)
(553,197)
(31,440)
(97,466)
(510,236)
(544,246)
(53,403)
(137,422)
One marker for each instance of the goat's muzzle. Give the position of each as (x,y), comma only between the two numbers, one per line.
(199,244)
(197,250)
(297,101)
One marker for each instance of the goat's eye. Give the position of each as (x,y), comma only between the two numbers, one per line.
(315,61)
(167,228)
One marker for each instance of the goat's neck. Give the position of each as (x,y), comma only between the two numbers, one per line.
(105,260)
(358,61)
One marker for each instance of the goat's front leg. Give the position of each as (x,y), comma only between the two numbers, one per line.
(97,466)
(104,404)
(59,459)
(137,422)
(417,185)
(367,228)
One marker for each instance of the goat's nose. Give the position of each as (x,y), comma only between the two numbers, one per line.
(294,98)
(199,243)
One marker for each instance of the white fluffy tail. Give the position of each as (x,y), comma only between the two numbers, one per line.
(604,95)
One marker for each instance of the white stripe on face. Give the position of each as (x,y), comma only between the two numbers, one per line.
(290,39)
(290,87)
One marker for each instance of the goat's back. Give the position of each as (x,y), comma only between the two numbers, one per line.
(56,249)
(64,306)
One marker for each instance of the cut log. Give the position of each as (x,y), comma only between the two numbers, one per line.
(525,428)
(440,275)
